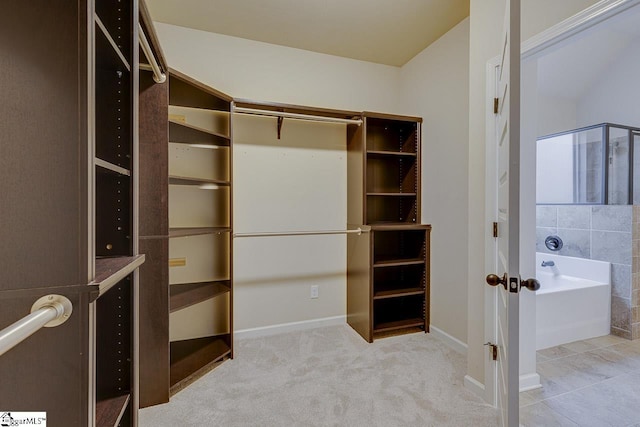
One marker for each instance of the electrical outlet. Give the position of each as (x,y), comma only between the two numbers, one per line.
(314,291)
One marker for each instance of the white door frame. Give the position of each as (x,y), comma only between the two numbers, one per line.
(535,45)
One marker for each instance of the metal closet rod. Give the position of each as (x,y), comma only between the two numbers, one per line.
(244,110)
(357,231)
(158,75)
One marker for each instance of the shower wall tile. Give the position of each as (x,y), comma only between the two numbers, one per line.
(621,280)
(576,242)
(611,246)
(570,216)
(635,283)
(635,334)
(541,234)
(546,216)
(621,313)
(611,218)
(635,298)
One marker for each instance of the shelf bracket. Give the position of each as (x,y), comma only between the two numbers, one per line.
(280,120)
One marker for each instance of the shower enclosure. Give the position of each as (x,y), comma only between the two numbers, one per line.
(591,165)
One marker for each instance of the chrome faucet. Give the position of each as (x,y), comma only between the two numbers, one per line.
(548,263)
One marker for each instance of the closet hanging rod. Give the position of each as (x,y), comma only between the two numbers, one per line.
(357,231)
(158,75)
(244,110)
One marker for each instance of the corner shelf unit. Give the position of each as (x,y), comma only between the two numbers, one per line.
(200,229)
(387,271)
(71,113)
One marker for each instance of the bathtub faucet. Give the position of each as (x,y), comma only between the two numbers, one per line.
(548,263)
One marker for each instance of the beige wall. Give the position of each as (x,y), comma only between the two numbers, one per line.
(261,71)
(435,86)
(290,184)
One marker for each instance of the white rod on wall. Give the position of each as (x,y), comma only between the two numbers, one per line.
(243,110)
(299,233)
(48,311)
(158,75)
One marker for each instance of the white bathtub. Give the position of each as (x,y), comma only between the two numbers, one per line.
(574,300)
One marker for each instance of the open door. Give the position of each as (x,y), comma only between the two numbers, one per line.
(506,231)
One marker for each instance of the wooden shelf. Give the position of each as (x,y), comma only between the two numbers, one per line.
(104,44)
(186,295)
(390,153)
(183,133)
(392,225)
(395,293)
(185,180)
(198,231)
(110,271)
(398,262)
(185,91)
(189,356)
(399,324)
(109,411)
(111,167)
(392,194)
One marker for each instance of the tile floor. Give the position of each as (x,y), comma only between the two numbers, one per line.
(594,382)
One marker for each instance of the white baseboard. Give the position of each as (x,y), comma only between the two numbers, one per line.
(264,331)
(452,341)
(529,382)
(475,386)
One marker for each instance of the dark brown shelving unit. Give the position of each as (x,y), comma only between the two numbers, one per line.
(188,357)
(387,271)
(153,133)
(183,296)
(199,119)
(75,131)
(116,48)
(109,412)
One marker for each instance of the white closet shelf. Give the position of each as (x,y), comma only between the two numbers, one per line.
(196,231)
(111,167)
(390,153)
(106,37)
(109,271)
(185,180)
(185,133)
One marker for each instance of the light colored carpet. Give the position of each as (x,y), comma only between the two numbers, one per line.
(330,377)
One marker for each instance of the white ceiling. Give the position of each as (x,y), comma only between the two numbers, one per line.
(577,64)
(383,31)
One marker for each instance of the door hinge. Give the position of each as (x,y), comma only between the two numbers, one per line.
(495,229)
(496,101)
(494,350)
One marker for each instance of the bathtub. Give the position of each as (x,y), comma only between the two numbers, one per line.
(574,300)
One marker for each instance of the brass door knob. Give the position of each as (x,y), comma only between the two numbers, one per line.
(531,284)
(494,280)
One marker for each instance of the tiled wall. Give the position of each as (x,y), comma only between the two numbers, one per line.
(605,233)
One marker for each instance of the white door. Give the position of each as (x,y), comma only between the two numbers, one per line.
(506,279)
